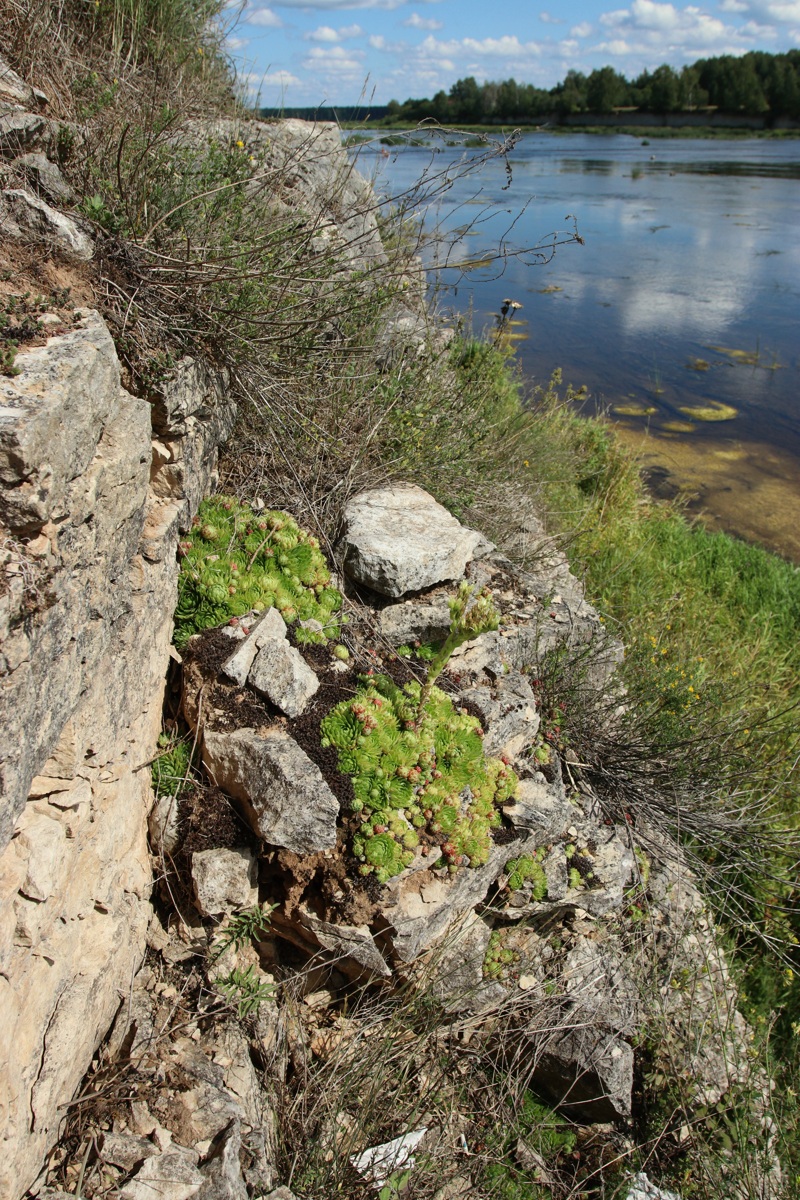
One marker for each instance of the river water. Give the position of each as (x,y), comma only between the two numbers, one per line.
(678,311)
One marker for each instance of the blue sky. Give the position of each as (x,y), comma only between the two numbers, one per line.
(309,52)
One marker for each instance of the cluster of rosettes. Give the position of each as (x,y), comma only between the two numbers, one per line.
(420,783)
(235,560)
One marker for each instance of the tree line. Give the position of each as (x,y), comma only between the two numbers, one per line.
(756,84)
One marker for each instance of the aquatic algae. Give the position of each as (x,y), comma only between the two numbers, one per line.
(730,453)
(713,410)
(747,358)
(551,287)
(697,364)
(634,410)
(679,426)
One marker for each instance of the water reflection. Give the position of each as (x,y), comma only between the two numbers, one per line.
(687,258)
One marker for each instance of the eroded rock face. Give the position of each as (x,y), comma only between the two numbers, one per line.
(588,1073)
(282,793)
(90,562)
(86,877)
(26,217)
(14,90)
(397,539)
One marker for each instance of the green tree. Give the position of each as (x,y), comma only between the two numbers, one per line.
(692,95)
(442,108)
(605,89)
(467,101)
(570,96)
(664,90)
(508,99)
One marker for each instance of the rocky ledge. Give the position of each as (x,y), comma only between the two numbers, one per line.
(546,928)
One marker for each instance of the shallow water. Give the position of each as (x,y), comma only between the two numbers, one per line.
(679,312)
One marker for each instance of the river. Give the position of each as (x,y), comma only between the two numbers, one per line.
(678,310)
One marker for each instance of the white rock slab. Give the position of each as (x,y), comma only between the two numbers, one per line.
(24,216)
(398,539)
(282,793)
(379,1162)
(269,627)
(271,664)
(224,880)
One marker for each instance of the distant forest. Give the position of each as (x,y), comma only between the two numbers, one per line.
(757,84)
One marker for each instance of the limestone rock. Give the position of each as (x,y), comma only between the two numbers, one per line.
(189,390)
(172,1175)
(222,1171)
(45,177)
(269,627)
(96,917)
(22,131)
(612,863)
(24,216)
(281,791)
(397,539)
(15,90)
(126,1150)
(540,808)
(82,681)
(416,621)
(164,825)
(269,663)
(455,969)
(347,942)
(51,419)
(224,880)
(508,714)
(421,906)
(587,1072)
(596,981)
(280,673)
(410,333)
(43,841)
(643,1188)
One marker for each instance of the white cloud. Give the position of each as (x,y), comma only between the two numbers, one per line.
(334,61)
(547,19)
(581,31)
(264,17)
(765,11)
(253,84)
(324,33)
(654,29)
(281,78)
(508,46)
(334,5)
(415,21)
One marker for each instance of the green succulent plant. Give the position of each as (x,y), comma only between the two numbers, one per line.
(499,957)
(527,870)
(471,613)
(170,771)
(417,781)
(235,559)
